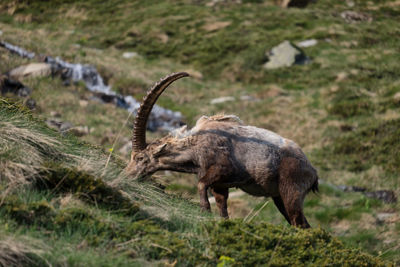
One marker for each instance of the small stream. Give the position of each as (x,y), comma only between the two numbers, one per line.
(160,118)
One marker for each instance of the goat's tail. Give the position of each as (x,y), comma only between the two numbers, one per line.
(314,186)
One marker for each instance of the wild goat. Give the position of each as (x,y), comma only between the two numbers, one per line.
(226,153)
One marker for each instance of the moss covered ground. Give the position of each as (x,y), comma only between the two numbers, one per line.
(342,108)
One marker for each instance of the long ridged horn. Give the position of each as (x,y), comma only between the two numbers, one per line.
(140,124)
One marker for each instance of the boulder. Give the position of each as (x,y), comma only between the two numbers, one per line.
(32,69)
(285,55)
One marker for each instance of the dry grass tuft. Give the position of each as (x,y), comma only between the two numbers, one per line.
(20,252)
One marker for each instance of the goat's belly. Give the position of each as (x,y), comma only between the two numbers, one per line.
(266,188)
(254,190)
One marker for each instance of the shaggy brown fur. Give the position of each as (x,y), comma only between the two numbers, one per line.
(224,153)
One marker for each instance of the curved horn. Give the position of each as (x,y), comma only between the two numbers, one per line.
(140,124)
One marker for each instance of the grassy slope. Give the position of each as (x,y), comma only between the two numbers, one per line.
(63,203)
(341,108)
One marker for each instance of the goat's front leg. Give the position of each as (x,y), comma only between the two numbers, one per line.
(207,178)
(221,198)
(204,203)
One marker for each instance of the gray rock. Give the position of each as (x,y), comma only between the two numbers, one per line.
(249,98)
(223,99)
(65,126)
(32,69)
(384,216)
(130,54)
(350,188)
(387,196)
(1,33)
(285,55)
(354,17)
(30,103)
(58,125)
(307,43)
(79,130)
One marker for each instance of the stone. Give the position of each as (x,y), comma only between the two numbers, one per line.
(223,99)
(65,126)
(79,130)
(307,43)
(1,33)
(387,196)
(32,69)
(55,114)
(341,76)
(350,3)
(130,54)
(354,17)
(384,217)
(163,37)
(396,97)
(83,103)
(215,26)
(249,98)
(349,188)
(285,55)
(30,103)
(58,125)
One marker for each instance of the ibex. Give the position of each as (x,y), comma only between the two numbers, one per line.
(225,153)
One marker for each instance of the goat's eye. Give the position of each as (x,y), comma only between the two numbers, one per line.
(139,157)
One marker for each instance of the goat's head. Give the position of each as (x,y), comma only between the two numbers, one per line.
(145,157)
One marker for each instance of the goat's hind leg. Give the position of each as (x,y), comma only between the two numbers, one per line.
(292,192)
(293,202)
(281,207)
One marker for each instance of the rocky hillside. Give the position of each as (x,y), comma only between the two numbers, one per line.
(325,75)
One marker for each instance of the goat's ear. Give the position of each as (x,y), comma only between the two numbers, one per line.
(160,149)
